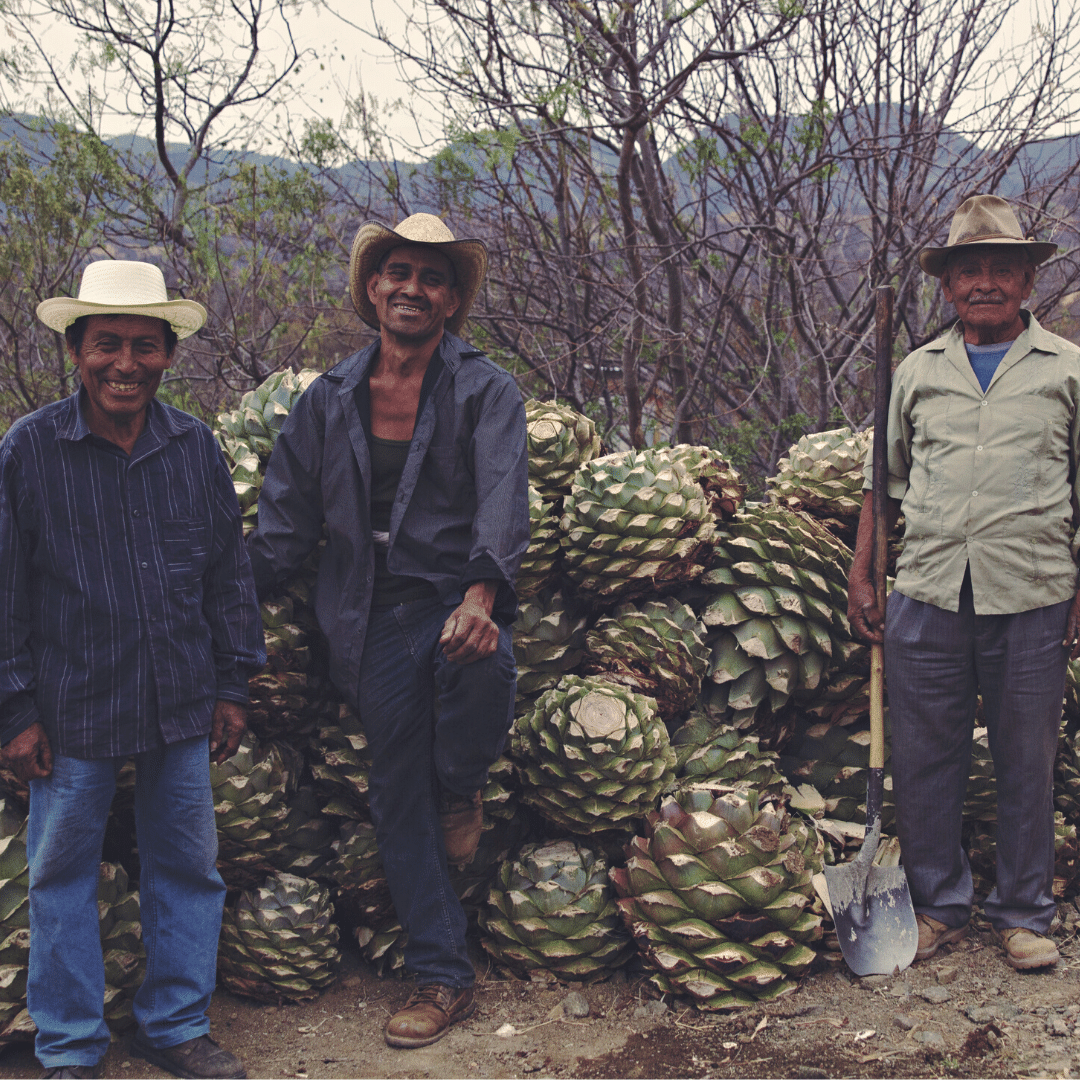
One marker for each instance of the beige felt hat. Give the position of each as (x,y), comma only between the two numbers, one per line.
(374,239)
(983,219)
(118,287)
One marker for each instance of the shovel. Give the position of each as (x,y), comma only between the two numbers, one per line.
(871,905)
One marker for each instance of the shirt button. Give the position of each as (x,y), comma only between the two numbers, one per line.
(978,447)
(968,540)
(984,404)
(135,513)
(143,565)
(974,495)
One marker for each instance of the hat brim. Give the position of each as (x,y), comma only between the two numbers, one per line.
(184,316)
(933,260)
(374,239)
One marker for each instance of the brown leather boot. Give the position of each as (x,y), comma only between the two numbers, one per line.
(428,1014)
(462,819)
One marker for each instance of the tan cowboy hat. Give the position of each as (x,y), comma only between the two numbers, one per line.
(983,219)
(374,239)
(118,287)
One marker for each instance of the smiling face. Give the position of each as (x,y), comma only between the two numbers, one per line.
(121,361)
(413,293)
(988,285)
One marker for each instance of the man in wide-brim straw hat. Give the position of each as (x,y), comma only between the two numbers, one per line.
(128,627)
(983,448)
(412,455)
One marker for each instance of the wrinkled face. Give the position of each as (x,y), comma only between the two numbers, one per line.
(413,294)
(121,361)
(988,286)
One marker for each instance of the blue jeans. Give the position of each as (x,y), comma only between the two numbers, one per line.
(430,724)
(181,895)
(936,663)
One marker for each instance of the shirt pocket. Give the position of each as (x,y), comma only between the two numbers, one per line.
(186,552)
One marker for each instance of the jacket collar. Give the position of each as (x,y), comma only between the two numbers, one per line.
(357,367)
(1033,339)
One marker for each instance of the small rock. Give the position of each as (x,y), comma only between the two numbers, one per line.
(981,1014)
(576,1005)
(930,1037)
(899,990)
(947,974)
(904,1021)
(936,995)
(994,1039)
(873,982)
(650,1009)
(1057,1027)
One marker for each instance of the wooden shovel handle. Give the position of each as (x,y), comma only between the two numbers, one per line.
(883,318)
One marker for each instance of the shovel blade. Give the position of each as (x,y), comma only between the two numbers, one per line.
(874,918)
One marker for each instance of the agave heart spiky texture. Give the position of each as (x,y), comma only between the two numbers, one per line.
(980,799)
(121,944)
(15,1024)
(279,942)
(716,894)
(635,523)
(551,915)
(341,764)
(540,565)
(725,758)
(549,642)
(560,441)
(823,473)
(1071,713)
(1067,774)
(592,755)
(247,434)
(717,477)
(835,760)
(655,647)
(499,794)
(774,605)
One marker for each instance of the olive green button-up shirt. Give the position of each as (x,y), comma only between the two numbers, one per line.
(987,479)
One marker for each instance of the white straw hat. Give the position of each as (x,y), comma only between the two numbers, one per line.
(374,239)
(119,287)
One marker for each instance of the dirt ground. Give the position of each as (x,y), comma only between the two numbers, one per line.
(963,1013)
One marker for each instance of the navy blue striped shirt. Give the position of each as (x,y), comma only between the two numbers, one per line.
(127,605)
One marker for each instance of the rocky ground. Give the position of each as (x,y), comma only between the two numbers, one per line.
(963,1013)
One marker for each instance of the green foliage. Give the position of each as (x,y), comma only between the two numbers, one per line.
(747,446)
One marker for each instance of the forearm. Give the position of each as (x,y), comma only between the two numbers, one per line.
(862,563)
(482,593)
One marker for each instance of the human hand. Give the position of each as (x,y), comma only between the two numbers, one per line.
(29,755)
(867,621)
(470,634)
(226,730)
(1072,629)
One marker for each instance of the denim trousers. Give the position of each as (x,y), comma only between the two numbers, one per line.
(936,663)
(181,897)
(432,726)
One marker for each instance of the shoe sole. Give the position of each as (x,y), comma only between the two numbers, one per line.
(403,1042)
(156,1057)
(1018,964)
(947,938)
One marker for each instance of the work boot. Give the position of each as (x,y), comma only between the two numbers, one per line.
(462,819)
(199,1058)
(933,934)
(74,1072)
(1026,948)
(428,1014)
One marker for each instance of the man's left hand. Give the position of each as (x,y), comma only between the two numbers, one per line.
(226,730)
(470,634)
(1072,629)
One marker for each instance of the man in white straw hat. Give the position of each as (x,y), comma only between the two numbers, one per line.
(983,445)
(128,627)
(412,455)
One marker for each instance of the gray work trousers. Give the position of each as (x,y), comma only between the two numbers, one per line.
(936,663)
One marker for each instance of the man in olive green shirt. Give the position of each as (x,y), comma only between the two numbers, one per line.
(983,446)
